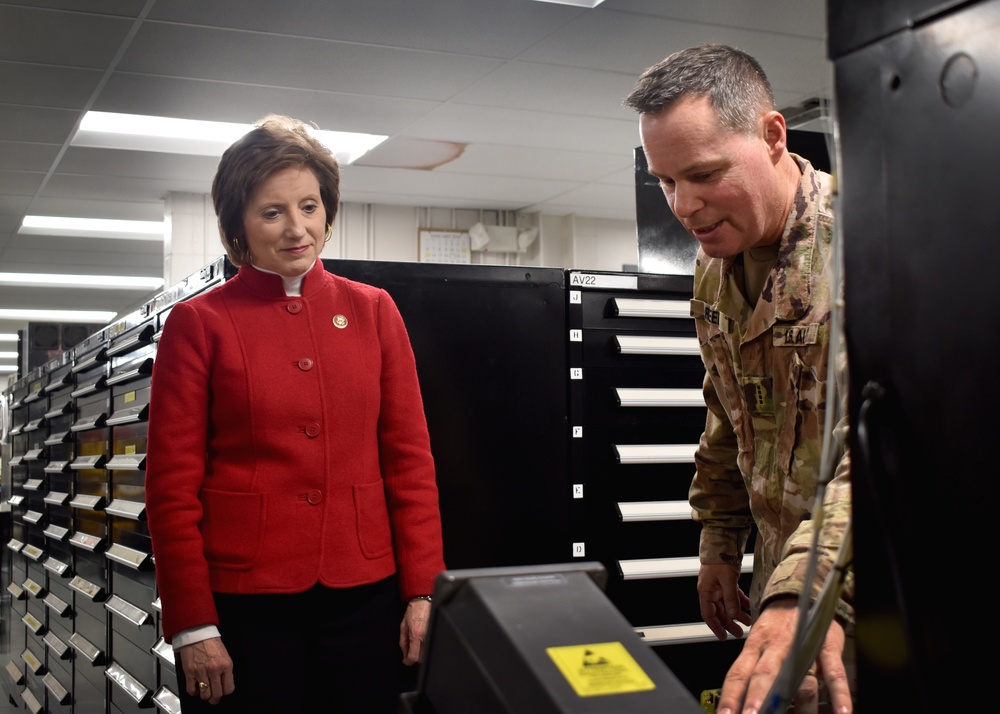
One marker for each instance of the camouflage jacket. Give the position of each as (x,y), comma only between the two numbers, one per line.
(758,460)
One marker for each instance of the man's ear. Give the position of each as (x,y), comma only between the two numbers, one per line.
(774,131)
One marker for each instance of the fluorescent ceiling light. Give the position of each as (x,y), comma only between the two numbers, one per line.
(106,130)
(209,132)
(99,316)
(56,280)
(92,227)
(577,3)
(8,337)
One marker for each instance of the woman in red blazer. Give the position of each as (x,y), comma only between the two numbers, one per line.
(290,487)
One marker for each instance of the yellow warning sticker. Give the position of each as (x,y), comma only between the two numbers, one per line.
(599,669)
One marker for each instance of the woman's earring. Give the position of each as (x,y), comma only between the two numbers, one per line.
(244,255)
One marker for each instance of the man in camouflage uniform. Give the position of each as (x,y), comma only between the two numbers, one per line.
(762,300)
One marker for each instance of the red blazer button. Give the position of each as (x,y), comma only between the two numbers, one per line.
(312,430)
(294,307)
(314,497)
(305,364)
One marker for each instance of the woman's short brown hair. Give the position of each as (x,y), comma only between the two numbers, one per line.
(275,143)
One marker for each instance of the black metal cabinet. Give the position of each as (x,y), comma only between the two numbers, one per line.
(490,348)
(82,625)
(57,487)
(132,668)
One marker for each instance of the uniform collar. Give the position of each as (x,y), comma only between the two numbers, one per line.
(793,281)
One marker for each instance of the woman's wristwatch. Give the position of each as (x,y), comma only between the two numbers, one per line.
(428,598)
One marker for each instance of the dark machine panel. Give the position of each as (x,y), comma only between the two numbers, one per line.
(856,23)
(918,113)
(534,639)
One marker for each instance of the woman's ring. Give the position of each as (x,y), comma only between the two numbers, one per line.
(203,686)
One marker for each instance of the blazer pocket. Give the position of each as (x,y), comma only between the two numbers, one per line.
(231,526)
(374,532)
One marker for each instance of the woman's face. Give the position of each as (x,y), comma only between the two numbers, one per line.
(284,222)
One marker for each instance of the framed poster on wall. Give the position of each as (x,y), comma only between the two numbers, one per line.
(443,246)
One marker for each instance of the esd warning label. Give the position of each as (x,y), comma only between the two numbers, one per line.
(600,669)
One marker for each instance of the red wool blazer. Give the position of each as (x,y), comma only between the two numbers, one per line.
(287,446)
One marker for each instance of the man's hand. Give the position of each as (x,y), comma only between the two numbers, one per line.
(766,648)
(723,603)
(207,662)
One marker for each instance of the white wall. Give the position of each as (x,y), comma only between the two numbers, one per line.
(384,232)
(389,232)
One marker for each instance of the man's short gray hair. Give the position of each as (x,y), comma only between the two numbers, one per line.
(733,81)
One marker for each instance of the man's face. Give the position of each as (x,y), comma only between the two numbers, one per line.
(722,186)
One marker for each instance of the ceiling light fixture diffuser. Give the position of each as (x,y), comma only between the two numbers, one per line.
(57,280)
(96,316)
(92,227)
(576,3)
(136,132)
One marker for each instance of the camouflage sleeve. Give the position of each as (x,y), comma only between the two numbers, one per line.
(788,578)
(718,495)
